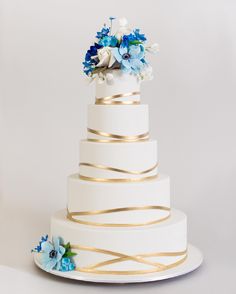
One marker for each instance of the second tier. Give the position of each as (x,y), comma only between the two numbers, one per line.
(112,123)
(120,162)
(118,204)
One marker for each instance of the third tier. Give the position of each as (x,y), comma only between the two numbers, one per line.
(120,162)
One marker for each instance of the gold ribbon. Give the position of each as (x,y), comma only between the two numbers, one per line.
(120,257)
(99,166)
(71,216)
(118,138)
(111,100)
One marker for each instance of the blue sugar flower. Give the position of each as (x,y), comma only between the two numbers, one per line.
(138,36)
(127,39)
(90,58)
(104,32)
(66,265)
(130,58)
(108,41)
(52,254)
(38,248)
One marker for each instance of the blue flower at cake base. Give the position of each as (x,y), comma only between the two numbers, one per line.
(66,265)
(52,254)
(131,58)
(55,255)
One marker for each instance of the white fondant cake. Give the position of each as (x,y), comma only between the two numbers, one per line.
(118,218)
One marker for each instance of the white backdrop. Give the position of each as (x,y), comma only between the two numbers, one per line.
(192,114)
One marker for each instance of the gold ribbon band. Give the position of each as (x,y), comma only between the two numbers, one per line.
(100,166)
(120,257)
(118,138)
(115,180)
(71,216)
(110,100)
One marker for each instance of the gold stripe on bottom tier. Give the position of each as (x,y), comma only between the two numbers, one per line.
(120,257)
(72,216)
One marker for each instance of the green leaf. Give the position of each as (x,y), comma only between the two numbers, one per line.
(69,254)
(135,42)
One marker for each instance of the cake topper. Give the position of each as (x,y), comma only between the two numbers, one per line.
(125,50)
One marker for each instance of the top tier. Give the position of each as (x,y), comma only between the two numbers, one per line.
(124,88)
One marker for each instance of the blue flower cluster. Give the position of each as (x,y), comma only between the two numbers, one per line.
(55,254)
(125,51)
(66,265)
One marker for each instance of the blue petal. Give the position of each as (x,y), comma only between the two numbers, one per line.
(126,64)
(123,50)
(116,54)
(47,247)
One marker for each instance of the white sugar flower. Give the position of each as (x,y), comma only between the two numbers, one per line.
(123,29)
(106,59)
(154,48)
(109,77)
(146,73)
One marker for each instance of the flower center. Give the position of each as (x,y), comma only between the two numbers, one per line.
(126,56)
(53,254)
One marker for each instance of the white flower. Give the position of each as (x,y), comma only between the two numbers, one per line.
(109,77)
(146,73)
(123,22)
(123,29)
(106,59)
(154,48)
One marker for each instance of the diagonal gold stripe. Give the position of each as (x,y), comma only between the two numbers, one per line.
(119,180)
(111,99)
(104,167)
(119,137)
(71,216)
(120,257)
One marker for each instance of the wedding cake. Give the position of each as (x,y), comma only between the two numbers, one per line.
(118,220)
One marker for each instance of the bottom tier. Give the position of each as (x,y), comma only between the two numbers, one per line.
(125,251)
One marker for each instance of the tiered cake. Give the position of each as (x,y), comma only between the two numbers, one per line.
(118,220)
(119,202)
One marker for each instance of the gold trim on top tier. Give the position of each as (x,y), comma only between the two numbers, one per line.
(111,100)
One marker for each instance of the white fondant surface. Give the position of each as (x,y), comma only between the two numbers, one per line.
(124,120)
(92,196)
(168,236)
(138,156)
(122,83)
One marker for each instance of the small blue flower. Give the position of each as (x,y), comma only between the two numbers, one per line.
(108,41)
(131,58)
(104,32)
(139,37)
(66,265)
(51,254)
(112,18)
(38,248)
